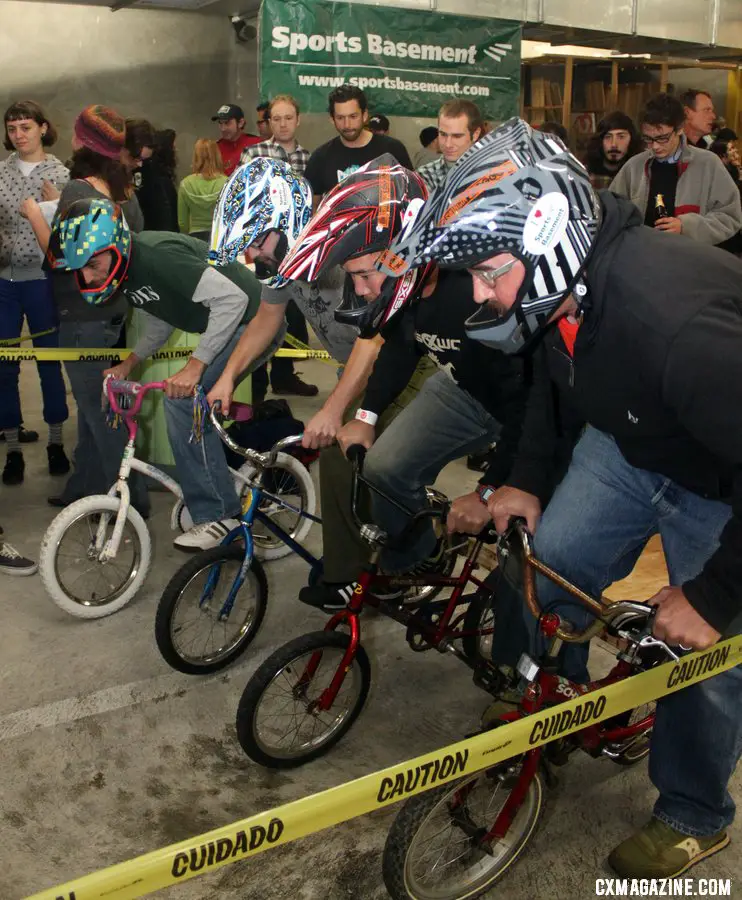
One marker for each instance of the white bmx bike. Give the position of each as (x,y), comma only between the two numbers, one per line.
(97,552)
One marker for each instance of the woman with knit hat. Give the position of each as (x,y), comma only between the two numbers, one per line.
(96,170)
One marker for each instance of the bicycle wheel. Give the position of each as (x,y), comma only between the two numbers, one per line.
(480,614)
(69,565)
(414,596)
(193,633)
(279,724)
(432,850)
(290,481)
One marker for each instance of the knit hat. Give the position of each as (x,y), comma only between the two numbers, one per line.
(101,130)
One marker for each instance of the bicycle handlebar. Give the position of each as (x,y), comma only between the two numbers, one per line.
(263,460)
(114,386)
(606,612)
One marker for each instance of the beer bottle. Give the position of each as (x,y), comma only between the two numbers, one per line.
(660,210)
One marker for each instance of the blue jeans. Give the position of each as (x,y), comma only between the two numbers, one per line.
(99,448)
(202,470)
(441,424)
(32,300)
(593,531)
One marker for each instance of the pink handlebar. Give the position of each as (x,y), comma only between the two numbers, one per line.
(131,389)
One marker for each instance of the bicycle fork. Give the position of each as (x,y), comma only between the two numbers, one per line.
(108,551)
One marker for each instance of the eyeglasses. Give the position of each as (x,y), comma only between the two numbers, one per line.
(660,140)
(490,276)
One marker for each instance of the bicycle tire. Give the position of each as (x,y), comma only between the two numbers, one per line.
(300,472)
(266,675)
(175,589)
(49,557)
(413,817)
(478,648)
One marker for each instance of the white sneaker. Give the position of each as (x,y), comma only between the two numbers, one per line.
(206,535)
(12,563)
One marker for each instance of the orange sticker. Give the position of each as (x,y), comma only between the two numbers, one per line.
(385,198)
(391,261)
(478,187)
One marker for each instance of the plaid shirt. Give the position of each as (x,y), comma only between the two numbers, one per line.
(432,173)
(297,159)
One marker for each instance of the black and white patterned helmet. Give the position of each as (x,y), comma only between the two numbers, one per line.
(516,191)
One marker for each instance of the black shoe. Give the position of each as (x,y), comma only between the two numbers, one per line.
(25,437)
(295,385)
(60,502)
(478,462)
(333,597)
(12,563)
(14,468)
(58,462)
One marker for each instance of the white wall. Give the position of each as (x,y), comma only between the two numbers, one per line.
(174,68)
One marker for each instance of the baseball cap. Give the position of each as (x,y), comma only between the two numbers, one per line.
(378,121)
(228,111)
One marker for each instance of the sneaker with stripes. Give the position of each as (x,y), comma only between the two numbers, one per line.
(13,563)
(333,597)
(206,535)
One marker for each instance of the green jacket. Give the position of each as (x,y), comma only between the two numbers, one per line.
(172,286)
(197,198)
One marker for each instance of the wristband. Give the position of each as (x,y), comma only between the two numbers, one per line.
(485,491)
(365,415)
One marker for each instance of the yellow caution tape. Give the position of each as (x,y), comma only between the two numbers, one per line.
(255,834)
(300,345)
(9,342)
(87,355)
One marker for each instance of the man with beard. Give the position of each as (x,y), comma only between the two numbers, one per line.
(615,143)
(354,146)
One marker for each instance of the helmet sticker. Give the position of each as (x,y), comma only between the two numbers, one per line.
(546,223)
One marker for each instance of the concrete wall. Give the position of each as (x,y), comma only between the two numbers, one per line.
(174,68)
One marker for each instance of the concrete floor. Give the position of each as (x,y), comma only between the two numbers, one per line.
(107,753)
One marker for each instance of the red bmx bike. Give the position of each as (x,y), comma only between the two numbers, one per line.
(456,841)
(306,695)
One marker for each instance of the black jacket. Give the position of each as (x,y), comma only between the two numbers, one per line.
(434,326)
(658,365)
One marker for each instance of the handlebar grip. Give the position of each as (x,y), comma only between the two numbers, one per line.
(120,386)
(356,453)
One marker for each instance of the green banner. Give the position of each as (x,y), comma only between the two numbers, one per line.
(408,62)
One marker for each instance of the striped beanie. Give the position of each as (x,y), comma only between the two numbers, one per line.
(102,130)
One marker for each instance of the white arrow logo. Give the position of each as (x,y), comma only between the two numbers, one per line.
(498,52)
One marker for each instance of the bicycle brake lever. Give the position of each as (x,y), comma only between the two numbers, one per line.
(650,641)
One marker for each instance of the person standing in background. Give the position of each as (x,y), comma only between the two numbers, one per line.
(96,170)
(354,146)
(284,117)
(263,120)
(233,139)
(199,192)
(157,194)
(677,187)
(138,147)
(25,292)
(614,144)
(379,124)
(429,150)
(700,116)
(459,126)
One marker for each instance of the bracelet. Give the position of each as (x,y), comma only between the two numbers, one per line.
(365,415)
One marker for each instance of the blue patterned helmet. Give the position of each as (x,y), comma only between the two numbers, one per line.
(262,196)
(85,229)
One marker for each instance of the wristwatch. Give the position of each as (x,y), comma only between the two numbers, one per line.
(485,491)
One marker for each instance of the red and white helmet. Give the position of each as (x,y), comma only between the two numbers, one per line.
(361,215)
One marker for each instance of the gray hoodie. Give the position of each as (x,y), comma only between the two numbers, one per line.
(20,254)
